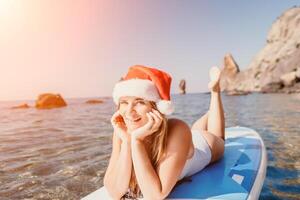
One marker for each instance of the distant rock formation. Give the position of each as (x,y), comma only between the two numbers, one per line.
(94,101)
(22,106)
(182,85)
(276,68)
(48,101)
(229,72)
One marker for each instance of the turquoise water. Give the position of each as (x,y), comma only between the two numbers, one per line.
(63,153)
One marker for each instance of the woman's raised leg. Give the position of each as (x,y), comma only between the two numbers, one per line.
(201,123)
(216,121)
(212,124)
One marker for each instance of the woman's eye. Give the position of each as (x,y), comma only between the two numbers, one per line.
(123,103)
(141,102)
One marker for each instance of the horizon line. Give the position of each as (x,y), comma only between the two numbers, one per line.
(84,97)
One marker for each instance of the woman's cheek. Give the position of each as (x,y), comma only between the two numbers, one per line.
(144,120)
(122,111)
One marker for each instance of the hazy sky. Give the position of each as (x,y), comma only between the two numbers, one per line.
(81,48)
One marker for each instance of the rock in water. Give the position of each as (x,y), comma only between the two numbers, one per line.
(94,101)
(182,85)
(229,71)
(48,101)
(22,106)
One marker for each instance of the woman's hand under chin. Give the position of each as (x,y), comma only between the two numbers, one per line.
(153,124)
(119,126)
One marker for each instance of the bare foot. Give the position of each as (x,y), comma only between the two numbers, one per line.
(214,75)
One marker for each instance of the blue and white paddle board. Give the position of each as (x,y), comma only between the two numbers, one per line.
(238,175)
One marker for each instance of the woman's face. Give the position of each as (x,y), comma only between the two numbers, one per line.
(133,110)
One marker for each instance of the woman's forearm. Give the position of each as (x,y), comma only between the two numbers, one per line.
(117,181)
(147,177)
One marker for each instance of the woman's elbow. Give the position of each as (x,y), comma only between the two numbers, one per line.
(114,194)
(158,196)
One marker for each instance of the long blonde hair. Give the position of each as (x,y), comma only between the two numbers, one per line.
(158,146)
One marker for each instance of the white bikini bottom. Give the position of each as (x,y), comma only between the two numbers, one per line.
(201,157)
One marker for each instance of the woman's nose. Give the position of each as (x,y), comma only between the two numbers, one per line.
(130,108)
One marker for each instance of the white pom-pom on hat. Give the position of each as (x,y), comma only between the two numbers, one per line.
(165,107)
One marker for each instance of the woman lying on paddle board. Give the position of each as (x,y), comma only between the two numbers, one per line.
(150,152)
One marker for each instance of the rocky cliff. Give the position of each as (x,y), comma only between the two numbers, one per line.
(276,68)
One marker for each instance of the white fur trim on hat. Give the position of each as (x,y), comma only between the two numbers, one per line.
(142,88)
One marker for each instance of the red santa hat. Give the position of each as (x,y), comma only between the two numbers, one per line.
(148,83)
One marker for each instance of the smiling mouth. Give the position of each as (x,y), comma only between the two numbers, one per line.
(134,120)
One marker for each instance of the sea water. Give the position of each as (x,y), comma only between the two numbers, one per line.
(63,153)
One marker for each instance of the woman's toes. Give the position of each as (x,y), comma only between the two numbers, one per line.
(212,84)
(214,73)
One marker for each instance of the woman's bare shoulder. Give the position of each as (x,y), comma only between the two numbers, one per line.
(178,130)
(174,123)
